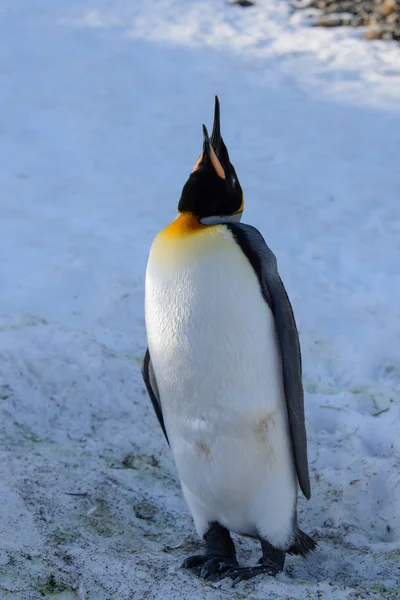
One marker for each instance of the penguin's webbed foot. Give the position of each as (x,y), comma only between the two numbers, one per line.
(195,561)
(244,573)
(212,568)
(267,565)
(220,555)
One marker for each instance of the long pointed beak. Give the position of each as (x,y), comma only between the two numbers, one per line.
(216,132)
(206,140)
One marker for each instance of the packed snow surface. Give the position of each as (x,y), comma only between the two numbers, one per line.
(101,106)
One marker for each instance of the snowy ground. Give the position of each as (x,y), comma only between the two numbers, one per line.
(101,105)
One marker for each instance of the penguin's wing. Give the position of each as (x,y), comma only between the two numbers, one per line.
(264,264)
(149,379)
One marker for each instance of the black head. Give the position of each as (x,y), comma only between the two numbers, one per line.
(213,188)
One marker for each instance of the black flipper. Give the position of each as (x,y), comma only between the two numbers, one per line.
(149,379)
(264,264)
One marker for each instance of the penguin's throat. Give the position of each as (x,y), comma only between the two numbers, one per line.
(185,224)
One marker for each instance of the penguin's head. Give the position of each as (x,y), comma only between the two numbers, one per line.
(212,192)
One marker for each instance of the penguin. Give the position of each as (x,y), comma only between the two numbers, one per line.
(223,371)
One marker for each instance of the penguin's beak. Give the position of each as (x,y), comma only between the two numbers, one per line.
(216,132)
(211,147)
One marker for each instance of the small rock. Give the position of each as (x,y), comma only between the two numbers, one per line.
(302,4)
(388,7)
(244,3)
(374,33)
(333,20)
(392,18)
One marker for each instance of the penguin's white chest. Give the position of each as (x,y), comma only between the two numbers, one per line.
(217,363)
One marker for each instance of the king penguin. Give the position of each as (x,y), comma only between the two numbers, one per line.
(223,371)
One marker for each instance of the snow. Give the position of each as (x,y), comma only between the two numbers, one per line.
(101,109)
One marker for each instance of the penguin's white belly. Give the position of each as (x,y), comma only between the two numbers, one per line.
(217,363)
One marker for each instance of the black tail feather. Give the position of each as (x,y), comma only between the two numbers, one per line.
(302,545)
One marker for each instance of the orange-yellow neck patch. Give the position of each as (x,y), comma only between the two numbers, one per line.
(183,225)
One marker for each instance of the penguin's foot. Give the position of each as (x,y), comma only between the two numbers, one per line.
(271,563)
(272,558)
(194,562)
(220,555)
(212,568)
(244,573)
